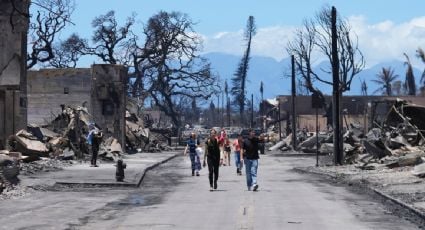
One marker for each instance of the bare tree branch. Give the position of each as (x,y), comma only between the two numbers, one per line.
(110,44)
(314,39)
(48,22)
(168,66)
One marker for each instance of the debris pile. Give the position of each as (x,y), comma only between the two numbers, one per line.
(141,136)
(9,169)
(65,138)
(398,142)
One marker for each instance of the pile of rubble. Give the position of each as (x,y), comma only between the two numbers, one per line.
(399,141)
(142,137)
(65,138)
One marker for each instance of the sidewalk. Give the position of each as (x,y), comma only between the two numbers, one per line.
(397,185)
(104,175)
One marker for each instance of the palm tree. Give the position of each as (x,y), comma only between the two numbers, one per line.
(363,87)
(421,54)
(397,88)
(385,78)
(410,83)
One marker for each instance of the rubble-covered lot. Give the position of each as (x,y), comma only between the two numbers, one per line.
(389,159)
(396,184)
(16,190)
(64,142)
(399,141)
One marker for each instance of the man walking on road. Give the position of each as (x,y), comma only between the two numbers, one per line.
(212,154)
(250,158)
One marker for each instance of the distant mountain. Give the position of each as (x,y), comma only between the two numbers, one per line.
(276,74)
(265,69)
(370,73)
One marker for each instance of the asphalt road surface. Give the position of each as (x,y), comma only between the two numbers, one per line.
(170,198)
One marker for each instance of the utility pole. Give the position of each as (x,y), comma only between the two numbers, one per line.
(228,111)
(278,118)
(222,109)
(317,137)
(336,103)
(263,121)
(294,120)
(218,110)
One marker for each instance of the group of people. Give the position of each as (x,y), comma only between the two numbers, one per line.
(217,153)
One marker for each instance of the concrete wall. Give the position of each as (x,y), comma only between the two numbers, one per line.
(13,42)
(108,99)
(48,89)
(102,88)
(309,122)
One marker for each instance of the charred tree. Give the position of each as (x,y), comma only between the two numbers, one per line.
(48,19)
(68,52)
(109,39)
(173,67)
(314,40)
(239,80)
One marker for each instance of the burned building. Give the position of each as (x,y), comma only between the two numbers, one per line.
(101,89)
(48,89)
(108,99)
(367,111)
(13,42)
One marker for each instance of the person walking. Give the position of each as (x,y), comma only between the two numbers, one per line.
(212,156)
(227,151)
(250,158)
(94,138)
(191,145)
(221,140)
(237,144)
(262,144)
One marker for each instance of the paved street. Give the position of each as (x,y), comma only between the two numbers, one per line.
(170,198)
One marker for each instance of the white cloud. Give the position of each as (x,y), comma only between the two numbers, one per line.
(379,42)
(387,40)
(269,41)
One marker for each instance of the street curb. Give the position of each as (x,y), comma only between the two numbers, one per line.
(123,184)
(94,184)
(155,165)
(415,211)
(294,155)
(402,204)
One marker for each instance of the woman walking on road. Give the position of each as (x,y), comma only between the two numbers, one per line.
(192,144)
(212,155)
(227,151)
(237,145)
(221,140)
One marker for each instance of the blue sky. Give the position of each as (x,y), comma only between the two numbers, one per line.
(224,15)
(385,28)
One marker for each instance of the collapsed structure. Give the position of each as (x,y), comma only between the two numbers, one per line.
(13,100)
(397,138)
(62,103)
